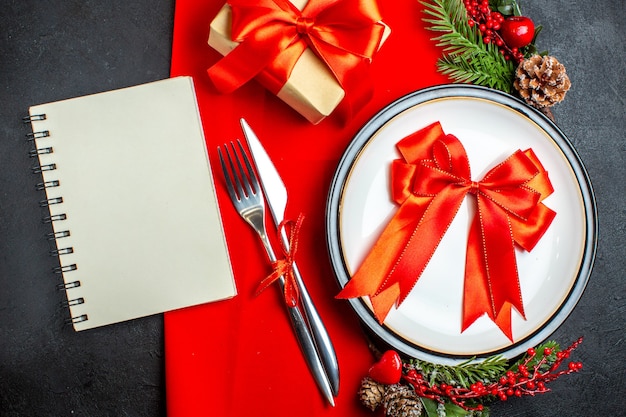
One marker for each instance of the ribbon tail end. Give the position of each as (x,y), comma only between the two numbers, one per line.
(383,302)
(503,321)
(470,319)
(351,290)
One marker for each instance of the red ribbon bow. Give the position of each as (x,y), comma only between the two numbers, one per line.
(284,267)
(429,184)
(273,34)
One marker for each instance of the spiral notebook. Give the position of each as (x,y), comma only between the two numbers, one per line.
(131,200)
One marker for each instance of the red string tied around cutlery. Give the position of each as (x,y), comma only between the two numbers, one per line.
(429,183)
(284,267)
(273,34)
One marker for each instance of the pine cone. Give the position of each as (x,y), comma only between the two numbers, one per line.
(541,81)
(371,393)
(402,401)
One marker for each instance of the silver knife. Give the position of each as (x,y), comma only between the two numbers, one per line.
(276,195)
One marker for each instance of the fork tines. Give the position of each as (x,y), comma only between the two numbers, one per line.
(241,184)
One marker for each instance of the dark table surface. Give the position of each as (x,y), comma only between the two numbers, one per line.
(51,50)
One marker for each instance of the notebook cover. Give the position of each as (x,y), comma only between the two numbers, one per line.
(138,207)
(239,357)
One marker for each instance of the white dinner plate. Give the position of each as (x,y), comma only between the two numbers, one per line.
(491,126)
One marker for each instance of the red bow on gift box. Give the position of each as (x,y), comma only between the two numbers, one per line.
(273,34)
(429,184)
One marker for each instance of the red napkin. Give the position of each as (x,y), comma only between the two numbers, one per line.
(239,357)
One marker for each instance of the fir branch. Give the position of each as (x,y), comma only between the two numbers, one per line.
(475,72)
(450,18)
(467,59)
(463,374)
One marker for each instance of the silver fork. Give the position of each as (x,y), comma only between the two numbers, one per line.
(247,196)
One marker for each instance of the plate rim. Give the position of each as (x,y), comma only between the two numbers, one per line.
(560,140)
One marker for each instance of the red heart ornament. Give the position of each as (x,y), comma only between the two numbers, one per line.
(388,369)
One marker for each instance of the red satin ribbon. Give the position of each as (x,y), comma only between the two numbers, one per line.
(273,34)
(429,184)
(284,267)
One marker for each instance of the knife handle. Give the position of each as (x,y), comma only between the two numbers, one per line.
(305,338)
(324,345)
(309,350)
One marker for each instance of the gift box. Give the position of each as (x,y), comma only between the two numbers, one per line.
(311,88)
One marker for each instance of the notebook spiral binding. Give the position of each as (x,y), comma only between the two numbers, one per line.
(73,302)
(33,117)
(48,184)
(56,235)
(56,217)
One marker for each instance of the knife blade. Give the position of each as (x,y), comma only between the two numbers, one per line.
(276,196)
